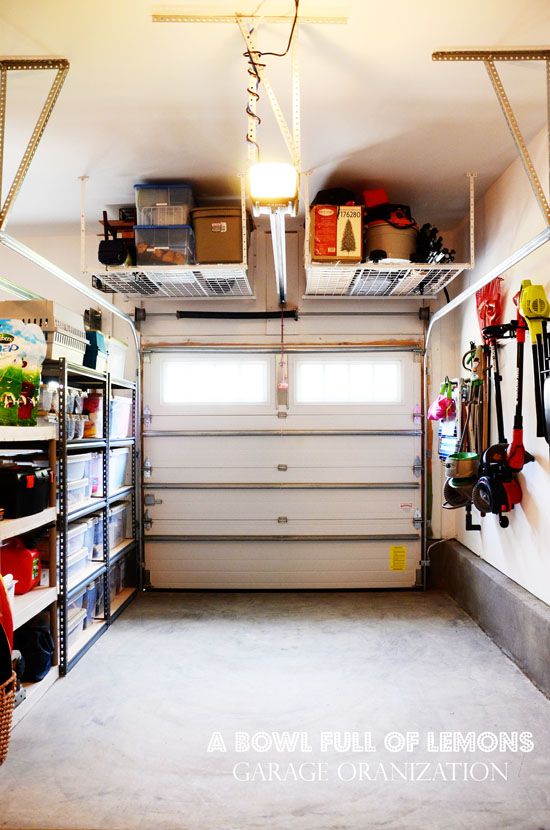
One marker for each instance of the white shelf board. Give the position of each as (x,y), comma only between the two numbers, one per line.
(35,691)
(120,599)
(122,546)
(367,279)
(93,568)
(84,637)
(45,432)
(28,605)
(14,527)
(191,281)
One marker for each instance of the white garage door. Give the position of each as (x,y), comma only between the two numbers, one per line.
(296,474)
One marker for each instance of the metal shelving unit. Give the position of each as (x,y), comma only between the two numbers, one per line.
(27,606)
(67,374)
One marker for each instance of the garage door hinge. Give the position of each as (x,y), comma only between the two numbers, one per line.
(417,413)
(417,520)
(151,500)
(147,521)
(147,416)
(417,467)
(147,468)
(282,413)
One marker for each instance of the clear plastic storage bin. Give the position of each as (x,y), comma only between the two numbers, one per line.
(76,566)
(97,552)
(113,581)
(78,466)
(169,245)
(96,473)
(90,601)
(75,538)
(116,357)
(75,627)
(89,533)
(163,204)
(76,604)
(120,423)
(77,492)
(118,521)
(118,463)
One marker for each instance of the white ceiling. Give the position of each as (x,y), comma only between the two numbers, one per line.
(145,101)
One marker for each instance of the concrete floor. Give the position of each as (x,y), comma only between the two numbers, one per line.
(122,742)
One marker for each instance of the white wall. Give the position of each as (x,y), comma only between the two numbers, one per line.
(507,217)
(62,247)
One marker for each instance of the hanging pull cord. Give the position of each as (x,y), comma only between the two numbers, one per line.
(283,381)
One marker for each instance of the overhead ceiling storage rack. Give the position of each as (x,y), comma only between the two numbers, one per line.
(382,279)
(189,281)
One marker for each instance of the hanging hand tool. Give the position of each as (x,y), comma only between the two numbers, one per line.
(498,488)
(534,308)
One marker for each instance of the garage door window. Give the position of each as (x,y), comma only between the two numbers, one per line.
(222,381)
(348,381)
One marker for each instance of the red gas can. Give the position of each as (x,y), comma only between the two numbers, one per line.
(22,562)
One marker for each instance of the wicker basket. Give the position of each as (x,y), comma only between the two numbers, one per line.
(7,700)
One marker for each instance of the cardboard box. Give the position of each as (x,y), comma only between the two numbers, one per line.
(336,233)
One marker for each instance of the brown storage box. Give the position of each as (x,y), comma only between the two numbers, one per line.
(218,235)
(336,233)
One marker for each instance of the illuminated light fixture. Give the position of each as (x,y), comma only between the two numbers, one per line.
(273,190)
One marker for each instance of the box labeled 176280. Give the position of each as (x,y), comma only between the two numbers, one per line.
(336,233)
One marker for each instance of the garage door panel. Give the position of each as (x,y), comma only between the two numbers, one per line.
(281,459)
(230,505)
(272,475)
(378,420)
(271,527)
(292,565)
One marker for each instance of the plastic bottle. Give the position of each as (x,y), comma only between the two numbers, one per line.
(23,563)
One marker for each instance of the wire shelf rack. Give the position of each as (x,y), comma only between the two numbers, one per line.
(381,280)
(201,282)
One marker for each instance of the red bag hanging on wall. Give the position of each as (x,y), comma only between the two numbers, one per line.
(489,304)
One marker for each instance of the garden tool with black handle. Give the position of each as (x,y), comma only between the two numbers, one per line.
(498,489)
(534,309)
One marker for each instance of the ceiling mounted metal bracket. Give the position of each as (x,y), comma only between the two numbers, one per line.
(17,64)
(288,138)
(488,57)
(166,17)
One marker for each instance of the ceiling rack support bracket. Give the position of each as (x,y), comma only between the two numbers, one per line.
(489,58)
(519,140)
(16,64)
(275,106)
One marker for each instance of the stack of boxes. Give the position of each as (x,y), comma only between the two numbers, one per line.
(163,233)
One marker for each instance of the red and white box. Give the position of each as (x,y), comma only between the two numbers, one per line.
(336,233)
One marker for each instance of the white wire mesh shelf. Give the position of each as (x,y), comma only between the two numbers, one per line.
(381,280)
(199,282)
